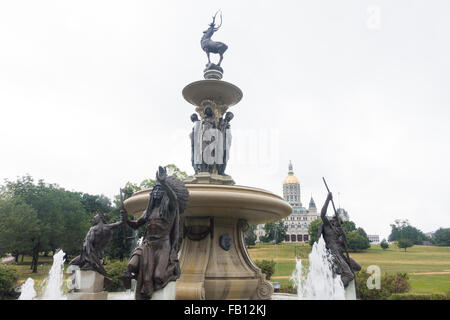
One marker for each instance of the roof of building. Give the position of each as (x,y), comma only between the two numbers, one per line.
(312,204)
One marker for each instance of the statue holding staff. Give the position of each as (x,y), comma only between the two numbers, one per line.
(155,262)
(336,242)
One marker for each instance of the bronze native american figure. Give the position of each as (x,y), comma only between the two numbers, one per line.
(210,46)
(98,236)
(154,263)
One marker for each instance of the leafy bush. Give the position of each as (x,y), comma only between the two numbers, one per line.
(288,289)
(8,278)
(267,267)
(384,244)
(369,294)
(114,270)
(390,284)
(396,283)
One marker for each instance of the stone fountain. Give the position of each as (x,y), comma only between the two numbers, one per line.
(213,258)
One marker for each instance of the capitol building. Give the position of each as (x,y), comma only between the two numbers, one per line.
(298,221)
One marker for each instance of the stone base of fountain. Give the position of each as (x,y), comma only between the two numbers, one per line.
(214,261)
(350,291)
(87,285)
(166,293)
(88,296)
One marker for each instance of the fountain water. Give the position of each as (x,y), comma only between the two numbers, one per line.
(318,283)
(53,287)
(27,291)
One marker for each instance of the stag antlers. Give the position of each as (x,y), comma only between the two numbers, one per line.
(214,19)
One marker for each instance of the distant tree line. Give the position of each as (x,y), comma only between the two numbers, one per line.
(405,235)
(441,237)
(38,218)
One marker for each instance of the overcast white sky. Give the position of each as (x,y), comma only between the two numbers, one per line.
(356,91)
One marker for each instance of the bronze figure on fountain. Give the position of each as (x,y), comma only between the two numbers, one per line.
(335,240)
(155,262)
(97,238)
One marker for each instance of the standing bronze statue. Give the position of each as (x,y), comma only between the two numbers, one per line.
(336,243)
(210,46)
(98,236)
(155,262)
(224,127)
(196,138)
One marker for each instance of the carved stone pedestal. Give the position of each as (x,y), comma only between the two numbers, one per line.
(217,266)
(166,293)
(350,291)
(86,285)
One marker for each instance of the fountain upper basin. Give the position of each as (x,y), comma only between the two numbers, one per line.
(235,202)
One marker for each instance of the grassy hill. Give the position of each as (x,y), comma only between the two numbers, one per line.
(428,267)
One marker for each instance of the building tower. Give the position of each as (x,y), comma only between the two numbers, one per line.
(291,189)
(298,221)
(312,207)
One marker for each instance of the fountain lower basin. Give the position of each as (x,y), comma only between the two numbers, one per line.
(211,268)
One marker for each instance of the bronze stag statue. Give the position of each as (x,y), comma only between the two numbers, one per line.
(210,46)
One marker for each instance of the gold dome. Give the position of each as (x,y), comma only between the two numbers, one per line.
(290,179)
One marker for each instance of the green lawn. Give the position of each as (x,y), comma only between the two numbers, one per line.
(434,261)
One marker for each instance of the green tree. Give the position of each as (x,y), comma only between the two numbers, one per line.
(275,232)
(8,278)
(348,226)
(442,237)
(363,234)
(402,229)
(19,225)
(250,236)
(122,242)
(404,243)
(384,244)
(62,219)
(95,203)
(356,241)
(313,230)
